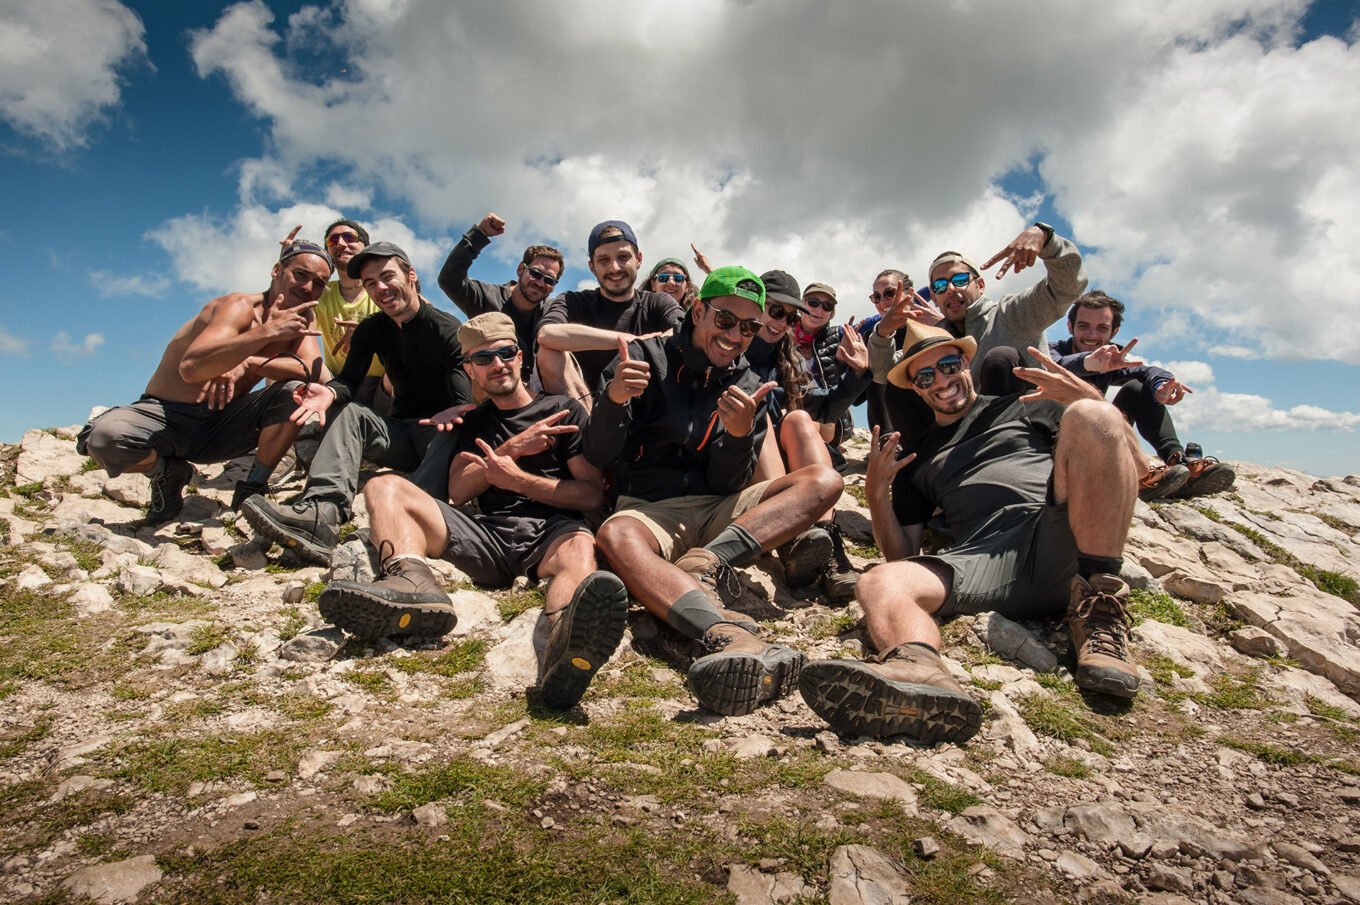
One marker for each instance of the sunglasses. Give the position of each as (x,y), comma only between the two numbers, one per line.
(489,356)
(669,277)
(958,281)
(950,364)
(887,295)
(725,320)
(779,312)
(817,305)
(546,279)
(342,238)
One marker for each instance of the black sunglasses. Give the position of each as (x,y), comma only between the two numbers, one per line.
(725,320)
(776,312)
(887,295)
(817,305)
(489,356)
(950,364)
(542,277)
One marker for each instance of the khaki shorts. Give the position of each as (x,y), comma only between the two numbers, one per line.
(684,522)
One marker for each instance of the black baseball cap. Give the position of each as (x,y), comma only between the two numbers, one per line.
(607,232)
(782,288)
(376,250)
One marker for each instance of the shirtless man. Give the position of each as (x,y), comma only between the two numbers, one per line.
(198,405)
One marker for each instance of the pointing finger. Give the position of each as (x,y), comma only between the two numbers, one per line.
(486,450)
(1129,346)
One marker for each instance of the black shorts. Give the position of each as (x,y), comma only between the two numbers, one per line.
(494,550)
(1018,563)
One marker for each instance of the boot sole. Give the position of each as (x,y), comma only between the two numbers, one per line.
(1216,481)
(1170,486)
(736,684)
(353,607)
(855,700)
(285,537)
(597,616)
(1113,684)
(804,566)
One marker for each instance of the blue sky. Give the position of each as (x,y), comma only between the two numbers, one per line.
(152,154)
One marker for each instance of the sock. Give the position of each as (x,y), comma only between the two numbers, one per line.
(1095,565)
(158,468)
(928,647)
(259,472)
(693,614)
(734,546)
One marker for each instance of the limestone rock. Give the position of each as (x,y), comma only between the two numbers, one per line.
(752,886)
(316,646)
(31,577)
(1007,726)
(476,612)
(138,581)
(1182,645)
(752,747)
(1255,642)
(1300,857)
(43,456)
(133,490)
(119,881)
(1298,685)
(196,569)
(221,660)
(1078,867)
(314,762)
(1102,822)
(1012,640)
(861,875)
(873,785)
(514,663)
(988,827)
(1316,629)
(431,814)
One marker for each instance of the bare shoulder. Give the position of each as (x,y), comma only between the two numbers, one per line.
(238,308)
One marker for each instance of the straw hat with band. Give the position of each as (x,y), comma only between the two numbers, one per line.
(921,339)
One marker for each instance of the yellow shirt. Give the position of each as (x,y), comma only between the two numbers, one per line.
(329,308)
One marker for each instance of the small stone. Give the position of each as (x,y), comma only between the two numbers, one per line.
(31,577)
(294,592)
(90,599)
(926,847)
(431,814)
(1348,886)
(1169,879)
(1299,857)
(873,785)
(548,823)
(1078,867)
(120,881)
(316,646)
(1255,642)
(1135,847)
(751,886)
(1163,849)
(827,742)
(990,828)
(251,825)
(369,785)
(276,776)
(313,762)
(1256,802)
(1350,844)
(1014,641)
(753,747)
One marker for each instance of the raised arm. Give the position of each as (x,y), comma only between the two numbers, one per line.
(471,295)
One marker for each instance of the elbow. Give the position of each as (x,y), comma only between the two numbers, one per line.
(191,370)
(550,337)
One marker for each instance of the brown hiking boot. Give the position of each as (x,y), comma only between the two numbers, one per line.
(1098,621)
(838,577)
(903,691)
(804,557)
(583,637)
(713,575)
(1206,474)
(741,671)
(1162,481)
(408,600)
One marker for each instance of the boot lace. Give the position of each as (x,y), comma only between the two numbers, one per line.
(1106,621)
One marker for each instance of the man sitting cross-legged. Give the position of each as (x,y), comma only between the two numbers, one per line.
(1040,517)
(519,457)
(681,419)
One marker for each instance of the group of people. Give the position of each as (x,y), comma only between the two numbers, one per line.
(638,442)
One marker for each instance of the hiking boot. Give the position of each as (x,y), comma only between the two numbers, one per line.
(1098,621)
(1162,481)
(167,491)
(1206,474)
(838,577)
(408,600)
(245,490)
(903,691)
(583,637)
(741,671)
(712,574)
(804,556)
(310,528)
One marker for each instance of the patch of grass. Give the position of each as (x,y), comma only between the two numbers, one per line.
(373,681)
(206,637)
(805,848)
(1280,757)
(97,845)
(462,780)
(1159,606)
(865,551)
(1334,523)
(988,685)
(1333,583)
(346,530)
(126,691)
(464,655)
(1219,620)
(27,491)
(279,568)
(1319,707)
(88,466)
(15,743)
(511,603)
(1057,719)
(857,492)
(303,708)
(1165,670)
(1053,682)
(940,795)
(312,593)
(293,623)
(164,605)
(85,552)
(1229,692)
(835,625)
(1067,766)
(634,682)
(171,765)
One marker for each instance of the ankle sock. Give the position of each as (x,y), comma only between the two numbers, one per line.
(1088,565)
(259,472)
(734,546)
(693,614)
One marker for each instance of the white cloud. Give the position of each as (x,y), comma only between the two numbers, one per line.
(60,65)
(64,346)
(1209,159)
(1210,409)
(152,285)
(11,344)
(348,197)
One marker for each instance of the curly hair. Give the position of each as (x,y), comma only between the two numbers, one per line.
(792,370)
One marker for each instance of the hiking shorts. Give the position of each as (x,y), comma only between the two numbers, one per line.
(492,550)
(684,522)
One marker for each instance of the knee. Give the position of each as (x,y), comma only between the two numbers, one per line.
(576,553)
(826,484)
(880,587)
(385,492)
(617,539)
(1094,419)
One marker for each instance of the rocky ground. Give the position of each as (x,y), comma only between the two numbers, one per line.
(178,725)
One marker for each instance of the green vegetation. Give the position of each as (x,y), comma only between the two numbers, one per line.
(835,625)
(1333,583)
(864,551)
(293,623)
(15,743)
(1164,670)
(374,681)
(1229,692)
(171,765)
(1158,606)
(940,795)
(1319,707)
(463,781)
(1067,766)
(1280,757)
(1059,719)
(511,603)
(857,491)
(208,636)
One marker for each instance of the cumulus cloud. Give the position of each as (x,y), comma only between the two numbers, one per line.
(1211,409)
(151,285)
(60,65)
(11,344)
(64,346)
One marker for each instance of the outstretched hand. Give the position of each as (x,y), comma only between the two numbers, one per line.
(538,437)
(1110,357)
(883,465)
(737,409)
(908,307)
(1171,391)
(1019,253)
(312,401)
(630,377)
(852,352)
(449,418)
(1052,381)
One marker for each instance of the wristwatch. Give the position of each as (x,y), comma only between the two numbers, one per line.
(1048,231)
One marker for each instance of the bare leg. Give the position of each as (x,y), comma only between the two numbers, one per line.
(569,560)
(403,515)
(900,600)
(635,557)
(770,465)
(1099,499)
(275,440)
(791,504)
(801,439)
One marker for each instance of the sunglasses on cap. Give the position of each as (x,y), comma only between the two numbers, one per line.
(670,277)
(725,320)
(819,305)
(489,356)
(958,281)
(950,364)
(342,238)
(887,295)
(544,278)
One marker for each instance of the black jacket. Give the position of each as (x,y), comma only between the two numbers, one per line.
(670,442)
(476,297)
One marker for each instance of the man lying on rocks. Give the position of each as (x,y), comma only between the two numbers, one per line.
(680,418)
(418,346)
(1036,529)
(198,405)
(519,456)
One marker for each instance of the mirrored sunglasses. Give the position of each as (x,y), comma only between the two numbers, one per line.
(671,277)
(342,238)
(950,364)
(958,281)
(489,356)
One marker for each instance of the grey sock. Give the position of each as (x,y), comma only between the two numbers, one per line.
(693,614)
(259,472)
(734,546)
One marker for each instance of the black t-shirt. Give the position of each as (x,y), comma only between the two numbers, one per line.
(646,312)
(494,426)
(1000,453)
(422,358)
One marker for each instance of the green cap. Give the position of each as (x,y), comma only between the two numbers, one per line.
(736,281)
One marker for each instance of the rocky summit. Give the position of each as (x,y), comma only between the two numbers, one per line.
(178,724)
